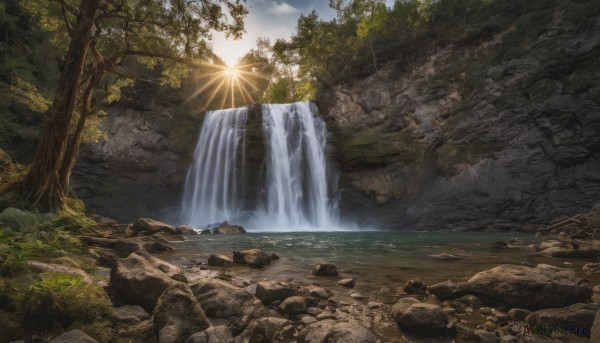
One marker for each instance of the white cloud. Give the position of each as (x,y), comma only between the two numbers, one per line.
(283,8)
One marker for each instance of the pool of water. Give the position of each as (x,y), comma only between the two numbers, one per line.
(385,258)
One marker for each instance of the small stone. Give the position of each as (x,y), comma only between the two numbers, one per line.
(485,310)
(350,282)
(415,286)
(318,292)
(358,296)
(489,326)
(307,320)
(325,269)
(293,306)
(373,305)
(313,311)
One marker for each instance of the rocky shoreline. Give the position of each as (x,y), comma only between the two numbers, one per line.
(156,301)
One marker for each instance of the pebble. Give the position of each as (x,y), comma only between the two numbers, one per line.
(374,305)
(358,296)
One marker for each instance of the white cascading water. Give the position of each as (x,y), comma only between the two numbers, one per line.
(296,186)
(296,191)
(211,192)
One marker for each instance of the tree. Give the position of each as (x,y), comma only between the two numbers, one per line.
(103,34)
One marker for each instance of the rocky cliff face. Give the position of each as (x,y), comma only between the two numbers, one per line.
(139,169)
(494,136)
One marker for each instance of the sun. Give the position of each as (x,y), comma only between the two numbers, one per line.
(231,72)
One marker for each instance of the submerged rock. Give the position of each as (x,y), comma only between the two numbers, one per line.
(531,288)
(415,286)
(325,269)
(178,315)
(254,258)
(447,257)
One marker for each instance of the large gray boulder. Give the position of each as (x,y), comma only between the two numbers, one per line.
(150,226)
(220,299)
(135,280)
(331,331)
(178,315)
(268,291)
(293,306)
(74,336)
(422,318)
(531,288)
(220,261)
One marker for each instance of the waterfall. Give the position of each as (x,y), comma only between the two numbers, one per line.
(297,173)
(296,184)
(211,192)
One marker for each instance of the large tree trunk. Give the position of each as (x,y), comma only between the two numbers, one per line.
(72,150)
(42,183)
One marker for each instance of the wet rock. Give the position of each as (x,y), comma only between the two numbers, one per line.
(471,300)
(149,226)
(402,305)
(267,291)
(415,286)
(214,334)
(135,280)
(318,292)
(518,314)
(269,329)
(426,319)
(350,282)
(325,269)
(129,314)
(530,288)
(254,258)
(447,289)
(228,229)
(73,336)
(178,315)
(186,230)
(577,315)
(293,306)
(327,331)
(220,299)
(220,261)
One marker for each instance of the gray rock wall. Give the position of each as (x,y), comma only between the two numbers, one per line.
(472,140)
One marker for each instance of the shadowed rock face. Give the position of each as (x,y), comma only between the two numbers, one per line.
(497,143)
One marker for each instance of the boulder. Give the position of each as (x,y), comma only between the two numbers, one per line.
(165,267)
(422,318)
(228,229)
(530,288)
(447,290)
(268,291)
(269,329)
(151,226)
(135,280)
(571,318)
(220,261)
(325,269)
(331,331)
(254,258)
(129,314)
(402,305)
(293,306)
(73,336)
(220,299)
(214,334)
(178,315)
(349,282)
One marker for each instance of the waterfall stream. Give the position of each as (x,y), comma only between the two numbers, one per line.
(297,185)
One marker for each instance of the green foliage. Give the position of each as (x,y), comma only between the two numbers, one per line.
(26,236)
(62,300)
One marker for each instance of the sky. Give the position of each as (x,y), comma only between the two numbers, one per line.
(268,19)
